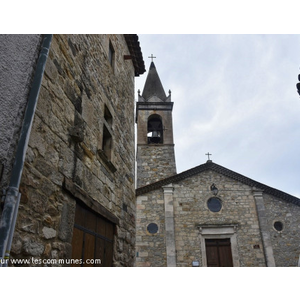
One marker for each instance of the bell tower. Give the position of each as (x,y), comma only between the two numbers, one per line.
(155,144)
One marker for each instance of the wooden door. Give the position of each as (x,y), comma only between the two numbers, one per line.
(92,244)
(218,253)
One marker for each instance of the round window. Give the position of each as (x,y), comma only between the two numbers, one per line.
(278,226)
(152,228)
(214,204)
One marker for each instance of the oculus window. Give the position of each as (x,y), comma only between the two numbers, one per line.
(152,228)
(278,226)
(214,204)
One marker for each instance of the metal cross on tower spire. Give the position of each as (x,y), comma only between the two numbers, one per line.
(151,57)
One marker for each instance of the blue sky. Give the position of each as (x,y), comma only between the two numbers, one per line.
(234,96)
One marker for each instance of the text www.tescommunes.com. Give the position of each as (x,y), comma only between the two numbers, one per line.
(50,261)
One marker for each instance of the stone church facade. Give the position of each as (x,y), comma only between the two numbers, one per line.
(78,202)
(77,190)
(208,215)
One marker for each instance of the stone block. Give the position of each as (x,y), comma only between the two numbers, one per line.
(66,223)
(32,247)
(48,233)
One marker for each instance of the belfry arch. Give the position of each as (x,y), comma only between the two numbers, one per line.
(155,129)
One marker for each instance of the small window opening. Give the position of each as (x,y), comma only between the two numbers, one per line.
(111,55)
(107,116)
(107,137)
(155,130)
(107,142)
(278,226)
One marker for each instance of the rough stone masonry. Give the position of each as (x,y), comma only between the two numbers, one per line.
(82,92)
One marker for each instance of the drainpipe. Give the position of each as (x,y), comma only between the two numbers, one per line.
(12,197)
(11,233)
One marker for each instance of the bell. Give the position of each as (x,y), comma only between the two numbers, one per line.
(155,137)
(155,134)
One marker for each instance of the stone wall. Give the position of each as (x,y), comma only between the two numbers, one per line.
(151,248)
(18,56)
(238,208)
(191,214)
(79,86)
(285,243)
(154,162)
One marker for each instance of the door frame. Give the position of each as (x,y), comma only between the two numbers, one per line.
(84,199)
(107,238)
(219,232)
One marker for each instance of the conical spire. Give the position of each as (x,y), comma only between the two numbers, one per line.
(153,86)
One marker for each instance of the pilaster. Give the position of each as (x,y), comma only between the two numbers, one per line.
(263,224)
(169,225)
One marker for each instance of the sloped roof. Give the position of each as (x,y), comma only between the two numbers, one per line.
(133,44)
(210,166)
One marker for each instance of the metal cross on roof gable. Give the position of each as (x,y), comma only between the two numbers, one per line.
(208,154)
(151,57)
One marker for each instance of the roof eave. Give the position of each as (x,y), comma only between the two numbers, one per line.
(133,44)
(226,172)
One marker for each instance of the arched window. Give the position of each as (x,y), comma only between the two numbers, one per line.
(155,130)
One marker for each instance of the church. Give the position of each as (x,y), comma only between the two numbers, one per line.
(207,216)
(67,169)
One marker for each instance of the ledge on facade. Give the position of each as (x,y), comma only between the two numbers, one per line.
(107,162)
(154,105)
(155,145)
(217,226)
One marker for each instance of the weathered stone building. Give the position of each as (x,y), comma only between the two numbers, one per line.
(18,56)
(77,190)
(208,215)
(78,204)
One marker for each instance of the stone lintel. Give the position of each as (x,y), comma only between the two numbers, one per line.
(81,195)
(222,228)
